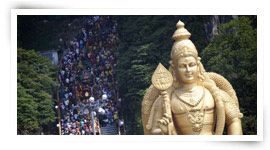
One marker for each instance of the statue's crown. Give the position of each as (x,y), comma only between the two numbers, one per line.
(181,32)
(182,45)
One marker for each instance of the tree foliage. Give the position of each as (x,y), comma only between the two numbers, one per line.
(233,54)
(36,87)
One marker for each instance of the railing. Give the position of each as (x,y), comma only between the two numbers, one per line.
(58,109)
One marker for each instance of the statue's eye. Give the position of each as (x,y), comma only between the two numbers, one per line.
(182,66)
(192,64)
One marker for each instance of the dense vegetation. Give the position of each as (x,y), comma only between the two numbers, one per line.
(146,40)
(36,86)
(233,54)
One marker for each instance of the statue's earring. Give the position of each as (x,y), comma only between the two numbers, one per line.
(171,63)
(174,77)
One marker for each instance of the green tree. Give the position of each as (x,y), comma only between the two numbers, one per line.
(232,53)
(27,114)
(36,89)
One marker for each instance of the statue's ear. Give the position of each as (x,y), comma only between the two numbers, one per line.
(171,63)
(171,69)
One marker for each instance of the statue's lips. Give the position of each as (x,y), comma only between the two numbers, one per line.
(188,75)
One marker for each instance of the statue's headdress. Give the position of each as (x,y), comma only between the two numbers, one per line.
(182,46)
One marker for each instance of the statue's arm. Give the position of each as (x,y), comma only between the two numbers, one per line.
(233,117)
(235,127)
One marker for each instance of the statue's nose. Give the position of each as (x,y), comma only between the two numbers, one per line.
(187,68)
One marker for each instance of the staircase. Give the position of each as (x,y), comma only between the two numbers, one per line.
(109,130)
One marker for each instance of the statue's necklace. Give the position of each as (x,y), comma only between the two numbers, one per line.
(196,119)
(191,102)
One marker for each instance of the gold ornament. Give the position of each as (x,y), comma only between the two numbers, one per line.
(196,119)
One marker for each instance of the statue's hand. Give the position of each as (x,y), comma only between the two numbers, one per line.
(164,122)
(156,131)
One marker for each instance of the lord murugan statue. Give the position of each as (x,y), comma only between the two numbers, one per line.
(186,100)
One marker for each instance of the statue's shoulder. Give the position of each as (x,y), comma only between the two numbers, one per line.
(217,80)
(173,95)
(207,92)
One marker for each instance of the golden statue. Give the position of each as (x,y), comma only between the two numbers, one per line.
(186,100)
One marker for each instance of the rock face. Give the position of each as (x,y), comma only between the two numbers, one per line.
(214,22)
(51,55)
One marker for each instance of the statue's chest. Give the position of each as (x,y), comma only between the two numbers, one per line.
(182,104)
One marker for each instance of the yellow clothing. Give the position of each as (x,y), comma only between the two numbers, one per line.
(110,72)
(115,116)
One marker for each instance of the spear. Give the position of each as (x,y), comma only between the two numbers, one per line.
(162,79)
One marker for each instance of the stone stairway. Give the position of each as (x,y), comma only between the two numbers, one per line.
(109,130)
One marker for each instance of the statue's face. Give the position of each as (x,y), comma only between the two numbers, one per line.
(187,70)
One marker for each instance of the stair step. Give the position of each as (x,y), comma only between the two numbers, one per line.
(109,130)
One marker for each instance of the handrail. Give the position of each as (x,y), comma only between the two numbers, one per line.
(58,109)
